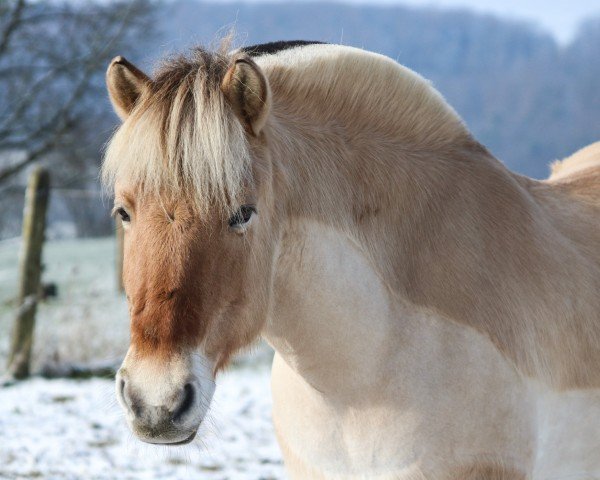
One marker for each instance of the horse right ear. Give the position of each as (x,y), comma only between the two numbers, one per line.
(247,91)
(125,83)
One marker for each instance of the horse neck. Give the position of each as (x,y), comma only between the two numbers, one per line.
(439,226)
(403,203)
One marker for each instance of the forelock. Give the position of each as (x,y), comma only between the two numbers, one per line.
(182,138)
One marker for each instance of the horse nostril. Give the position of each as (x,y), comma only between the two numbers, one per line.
(186,403)
(130,402)
(121,392)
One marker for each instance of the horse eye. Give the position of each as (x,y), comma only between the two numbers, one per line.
(242,216)
(123,214)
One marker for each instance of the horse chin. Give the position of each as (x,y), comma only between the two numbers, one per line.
(166,437)
(172,444)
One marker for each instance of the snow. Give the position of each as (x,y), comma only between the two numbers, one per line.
(67,429)
(70,429)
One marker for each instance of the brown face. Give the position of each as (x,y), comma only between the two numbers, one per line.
(198,288)
(187,277)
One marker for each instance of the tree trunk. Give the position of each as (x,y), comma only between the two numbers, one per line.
(34,223)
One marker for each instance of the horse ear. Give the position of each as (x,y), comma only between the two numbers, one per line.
(125,83)
(247,90)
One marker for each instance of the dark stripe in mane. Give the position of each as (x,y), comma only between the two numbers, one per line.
(274,47)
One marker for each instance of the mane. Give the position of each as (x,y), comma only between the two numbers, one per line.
(182,139)
(370,91)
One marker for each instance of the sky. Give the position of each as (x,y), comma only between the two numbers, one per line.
(560,17)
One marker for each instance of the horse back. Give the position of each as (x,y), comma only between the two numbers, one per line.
(579,174)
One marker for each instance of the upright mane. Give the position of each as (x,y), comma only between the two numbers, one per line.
(370,90)
(182,138)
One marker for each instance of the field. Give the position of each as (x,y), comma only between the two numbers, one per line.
(73,429)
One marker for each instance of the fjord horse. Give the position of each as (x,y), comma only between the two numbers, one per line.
(434,315)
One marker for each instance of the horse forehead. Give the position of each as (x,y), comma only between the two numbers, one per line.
(169,223)
(166,247)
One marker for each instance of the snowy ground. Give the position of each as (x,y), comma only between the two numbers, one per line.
(67,429)
(64,429)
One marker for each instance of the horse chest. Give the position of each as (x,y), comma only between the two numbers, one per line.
(568,434)
(538,433)
(366,387)
(406,432)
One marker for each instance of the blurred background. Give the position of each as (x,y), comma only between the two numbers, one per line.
(523,74)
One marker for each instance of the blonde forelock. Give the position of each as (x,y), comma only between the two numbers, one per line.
(182,138)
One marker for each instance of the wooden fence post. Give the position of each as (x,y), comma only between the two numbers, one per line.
(34,224)
(120,234)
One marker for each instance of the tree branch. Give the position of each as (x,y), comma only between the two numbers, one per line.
(12,25)
(47,83)
(34,155)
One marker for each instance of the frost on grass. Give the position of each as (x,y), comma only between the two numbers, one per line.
(88,320)
(65,429)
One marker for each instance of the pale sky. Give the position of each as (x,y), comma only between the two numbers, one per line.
(560,17)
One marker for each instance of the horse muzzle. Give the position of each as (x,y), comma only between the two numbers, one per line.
(165,407)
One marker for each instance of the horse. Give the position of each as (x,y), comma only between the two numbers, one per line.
(433,314)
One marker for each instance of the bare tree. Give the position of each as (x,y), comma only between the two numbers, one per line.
(52,59)
(52,96)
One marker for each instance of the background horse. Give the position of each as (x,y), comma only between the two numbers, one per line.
(434,315)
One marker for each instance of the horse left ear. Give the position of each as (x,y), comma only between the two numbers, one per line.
(125,83)
(247,90)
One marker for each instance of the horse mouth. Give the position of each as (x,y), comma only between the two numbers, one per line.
(180,442)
